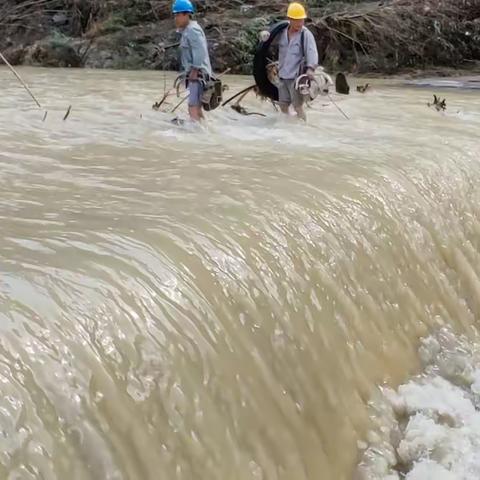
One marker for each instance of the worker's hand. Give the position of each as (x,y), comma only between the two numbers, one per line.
(310,73)
(160,49)
(264,35)
(193,75)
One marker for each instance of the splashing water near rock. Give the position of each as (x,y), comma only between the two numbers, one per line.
(429,429)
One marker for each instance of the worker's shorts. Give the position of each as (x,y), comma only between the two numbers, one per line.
(195,89)
(288,95)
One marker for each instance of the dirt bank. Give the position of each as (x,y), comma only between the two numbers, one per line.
(363,37)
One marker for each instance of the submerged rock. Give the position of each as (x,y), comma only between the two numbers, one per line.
(15,54)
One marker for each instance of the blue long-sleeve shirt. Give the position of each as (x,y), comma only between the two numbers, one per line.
(194,49)
(291,54)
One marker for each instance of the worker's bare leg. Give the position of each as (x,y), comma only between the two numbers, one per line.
(301,112)
(284,108)
(196,113)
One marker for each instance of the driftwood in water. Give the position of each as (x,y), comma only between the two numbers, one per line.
(68,113)
(157,105)
(243,111)
(242,92)
(363,88)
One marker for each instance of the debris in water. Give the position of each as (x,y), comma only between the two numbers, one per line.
(177,121)
(45,115)
(439,105)
(68,113)
(156,106)
(239,94)
(363,88)
(243,111)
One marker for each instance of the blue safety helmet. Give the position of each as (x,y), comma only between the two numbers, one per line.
(183,6)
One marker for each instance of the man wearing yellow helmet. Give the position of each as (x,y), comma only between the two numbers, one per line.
(297,55)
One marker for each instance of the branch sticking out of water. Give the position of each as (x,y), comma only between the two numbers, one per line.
(68,113)
(438,104)
(7,63)
(244,91)
(338,108)
(180,103)
(20,79)
(157,105)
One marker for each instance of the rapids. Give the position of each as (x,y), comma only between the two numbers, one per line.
(224,302)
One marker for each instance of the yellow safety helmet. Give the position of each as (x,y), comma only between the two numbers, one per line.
(296,11)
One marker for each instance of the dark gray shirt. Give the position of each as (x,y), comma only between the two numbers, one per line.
(291,55)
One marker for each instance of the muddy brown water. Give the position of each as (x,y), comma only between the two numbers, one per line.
(221,302)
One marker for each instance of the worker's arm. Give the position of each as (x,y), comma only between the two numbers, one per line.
(199,49)
(311,52)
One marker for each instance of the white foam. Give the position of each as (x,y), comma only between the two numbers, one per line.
(429,429)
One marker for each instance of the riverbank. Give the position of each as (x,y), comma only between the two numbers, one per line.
(366,38)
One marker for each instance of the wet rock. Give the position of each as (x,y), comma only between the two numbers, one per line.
(52,53)
(60,19)
(151,47)
(100,58)
(15,54)
(130,55)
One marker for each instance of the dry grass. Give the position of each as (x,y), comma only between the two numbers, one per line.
(401,34)
(19,12)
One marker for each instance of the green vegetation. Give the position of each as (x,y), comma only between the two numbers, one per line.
(59,39)
(247,40)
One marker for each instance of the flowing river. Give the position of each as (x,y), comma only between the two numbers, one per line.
(230,302)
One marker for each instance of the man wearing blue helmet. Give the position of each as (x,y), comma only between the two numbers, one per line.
(194,55)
